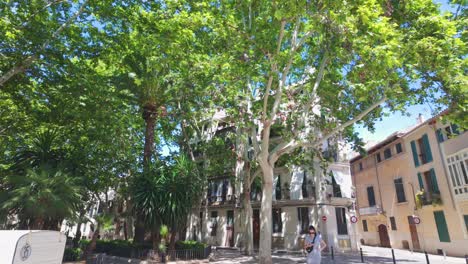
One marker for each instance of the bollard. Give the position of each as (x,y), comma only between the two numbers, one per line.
(362,257)
(466,259)
(332,255)
(427,258)
(393,256)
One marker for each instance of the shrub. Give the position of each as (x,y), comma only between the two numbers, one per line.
(72,254)
(119,248)
(190,244)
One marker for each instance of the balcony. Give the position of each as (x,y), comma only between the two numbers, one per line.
(374,210)
(220,200)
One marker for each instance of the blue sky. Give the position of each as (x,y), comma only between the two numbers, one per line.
(396,121)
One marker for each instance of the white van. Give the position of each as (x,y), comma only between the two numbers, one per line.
(31,247)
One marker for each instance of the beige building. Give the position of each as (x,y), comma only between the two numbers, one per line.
(303,196)
(412,190)
(219,219)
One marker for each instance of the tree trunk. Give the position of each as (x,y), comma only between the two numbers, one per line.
(150,116)
(77,238)
(139,230)
(248,214)
(266,214)
(129,219)
(92,244)
(173,238)
(125,230)
(155,236)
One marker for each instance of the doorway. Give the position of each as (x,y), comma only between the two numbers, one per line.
(414,233)
(230,229)
(384,238)
(256,228)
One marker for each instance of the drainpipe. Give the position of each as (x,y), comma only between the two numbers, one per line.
(378,183)
(444,164)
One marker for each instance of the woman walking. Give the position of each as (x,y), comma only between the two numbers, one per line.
(314,246)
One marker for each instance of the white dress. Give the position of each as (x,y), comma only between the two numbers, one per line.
(314,257)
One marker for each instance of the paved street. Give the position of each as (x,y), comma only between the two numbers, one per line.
(371,255)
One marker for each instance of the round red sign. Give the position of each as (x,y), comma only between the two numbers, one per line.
(416,220)
(324,218)
(353,219)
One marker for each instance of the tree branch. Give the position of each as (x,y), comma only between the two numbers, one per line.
(351,122)
(255,144)
(252,178)
(274,69)
(33,58)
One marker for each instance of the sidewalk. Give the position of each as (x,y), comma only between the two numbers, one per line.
(372,255)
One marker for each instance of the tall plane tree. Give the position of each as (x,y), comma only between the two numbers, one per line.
(312,69)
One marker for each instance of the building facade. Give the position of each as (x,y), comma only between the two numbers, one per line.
(303,196)
(412,190)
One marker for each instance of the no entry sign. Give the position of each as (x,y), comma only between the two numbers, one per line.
(353,219)
(324,218)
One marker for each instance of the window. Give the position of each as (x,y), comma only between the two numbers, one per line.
(428,182)
(336,188)
(303,218)
(442,228)
(446,133)
(421,150)
(399,149)
(341,221)
(308,189)
(371,196)
(393,223)
(214,223)
(201,221)
(379,159)
(278,188)
(364,225)
(388,153)
(400,190)
(458,170)
(360,166)
(277,222)
(466,221)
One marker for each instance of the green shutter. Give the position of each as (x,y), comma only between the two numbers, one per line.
(441,226)
(415,153)
(427,148)
(440,135)
(466,221)
(455,129)
(420,180)
(435,186)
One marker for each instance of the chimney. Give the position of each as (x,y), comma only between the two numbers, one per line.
(420,119)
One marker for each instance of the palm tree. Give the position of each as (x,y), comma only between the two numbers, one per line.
(165,195)
(42,198)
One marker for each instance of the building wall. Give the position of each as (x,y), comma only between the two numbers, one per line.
(382,175)
(290,238)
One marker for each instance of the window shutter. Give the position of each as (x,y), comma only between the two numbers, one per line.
(420,180)
(441,226)
(455,129)
(427,148)
(435,186)
(415,153)
(440,135)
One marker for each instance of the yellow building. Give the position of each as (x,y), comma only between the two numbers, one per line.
(412,190)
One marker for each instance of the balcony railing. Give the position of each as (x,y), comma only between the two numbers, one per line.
(374,210)
(220,200)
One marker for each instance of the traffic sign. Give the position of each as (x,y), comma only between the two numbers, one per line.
(324,218)
(416,220)
(353,219)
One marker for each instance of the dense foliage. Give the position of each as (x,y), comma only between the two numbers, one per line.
(116,96)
